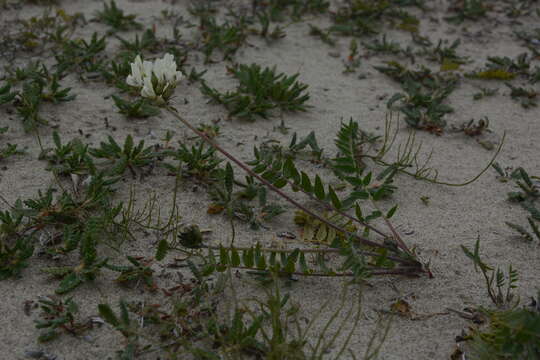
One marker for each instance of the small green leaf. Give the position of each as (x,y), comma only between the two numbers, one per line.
(235,258)
(306,183)
(334,198)
(247,258)
(162,249)
(280,182)
(358,212)
(69,283)
(319,188)
(391,212)
(108,315)
(291,261)
(303,264)
(128,145)
(289,170)
(223,256)
(261,261)
(367,179)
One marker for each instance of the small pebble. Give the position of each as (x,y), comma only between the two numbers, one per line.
(287,235)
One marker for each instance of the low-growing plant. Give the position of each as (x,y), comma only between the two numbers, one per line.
(198,160)
(296,9)
(510,332)
(500,286)
(503,68)
(423,109)
(27,104)
(14,251)
(10,150)
(59,316)
(38,34)
(116,72)
(383,46)
(269,34)
(148,42)
(226,37)
(467,10)
(528,194)
(445,55)
(425,92)
(115,18)
(324,35)
(68,159)
(283,172)
(526,97)
(139,108)
(126,157)
(82,55)
(259,91)
(90,266)
(359,18)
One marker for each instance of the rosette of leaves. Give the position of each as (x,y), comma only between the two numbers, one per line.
(197,160)
(70,158)
(527,195)
(59,315)
(128,157)
(82,55)
(259,92)
(226,37)
(425,92)
(140,108)
(115,18)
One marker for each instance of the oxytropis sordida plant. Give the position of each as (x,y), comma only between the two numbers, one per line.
(362,256)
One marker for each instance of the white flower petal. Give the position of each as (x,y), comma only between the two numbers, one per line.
(148,89)
(148,67)
(130,80)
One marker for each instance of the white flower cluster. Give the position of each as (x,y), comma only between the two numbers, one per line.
(157,80)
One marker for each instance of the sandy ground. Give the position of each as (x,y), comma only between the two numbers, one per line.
(455,215)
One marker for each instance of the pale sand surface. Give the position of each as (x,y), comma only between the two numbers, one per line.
(455,215)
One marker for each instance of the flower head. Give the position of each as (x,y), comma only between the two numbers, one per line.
(156,80)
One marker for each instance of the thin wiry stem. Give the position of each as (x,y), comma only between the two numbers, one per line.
(408,155)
